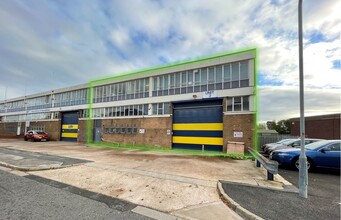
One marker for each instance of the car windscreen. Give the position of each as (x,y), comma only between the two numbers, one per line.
(290,141)
(282,141)
(315,145)
(40,132)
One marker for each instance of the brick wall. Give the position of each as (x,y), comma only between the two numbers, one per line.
(155,131)
(318,128)
(82,130)
(238,123)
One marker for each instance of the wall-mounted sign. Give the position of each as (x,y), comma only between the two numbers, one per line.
(238,134)
(38,110)
(210,94)
(141,130)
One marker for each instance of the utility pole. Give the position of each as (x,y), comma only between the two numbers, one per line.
(303,171)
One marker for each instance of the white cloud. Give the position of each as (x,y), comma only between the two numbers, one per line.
(80,41)
(282,102)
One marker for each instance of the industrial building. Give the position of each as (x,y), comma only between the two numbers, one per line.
(318,126)
(205,103)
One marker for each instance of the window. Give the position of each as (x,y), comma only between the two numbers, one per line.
(203,76)
(246,105)
(334,147)
(177,80)
(160,108)
(244,70)
(218,74)
(211,76)
(237,104)
(190,78)
(183,79)
(196,77)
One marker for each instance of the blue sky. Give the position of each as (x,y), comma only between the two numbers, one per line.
(46,45)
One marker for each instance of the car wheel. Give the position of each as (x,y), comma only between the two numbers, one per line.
(297,164)
(25,139)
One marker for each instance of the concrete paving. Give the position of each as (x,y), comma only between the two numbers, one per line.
(182,185)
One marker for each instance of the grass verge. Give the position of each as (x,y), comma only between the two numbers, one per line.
(206,153)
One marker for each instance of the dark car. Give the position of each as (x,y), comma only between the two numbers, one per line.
(36,136)
(321,154)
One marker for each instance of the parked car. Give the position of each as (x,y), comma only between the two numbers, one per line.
(292,143)
(265,146)
(36,136)
(321,154)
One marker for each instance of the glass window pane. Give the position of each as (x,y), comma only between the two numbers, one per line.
(211,77)
(166,108)
(165,82)
(172,81)
(145,109)
(160,84)
(227,73)
(177,80)
(183,79)
(154,109)
(244,70)
(237,103)
(229,104)
(146,88)
(190,77)
(197,77)
(218,75)
(246,103)
(235,71)
(160,108)
(203,76)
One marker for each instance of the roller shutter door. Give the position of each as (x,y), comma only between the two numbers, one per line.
(69,131)
(198,123)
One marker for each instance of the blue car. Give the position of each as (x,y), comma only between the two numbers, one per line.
(321,154)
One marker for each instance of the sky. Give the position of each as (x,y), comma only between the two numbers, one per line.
(45,45)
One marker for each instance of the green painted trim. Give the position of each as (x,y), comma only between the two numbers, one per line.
(255,103)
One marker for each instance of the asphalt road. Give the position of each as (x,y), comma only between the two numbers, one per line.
(323,200)
(41,156)
(26,198)
(323,188)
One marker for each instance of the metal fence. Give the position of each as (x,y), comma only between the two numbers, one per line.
(265,139)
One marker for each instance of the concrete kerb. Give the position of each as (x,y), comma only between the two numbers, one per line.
(36,168)
(244,213)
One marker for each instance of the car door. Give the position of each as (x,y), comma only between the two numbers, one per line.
(329,156)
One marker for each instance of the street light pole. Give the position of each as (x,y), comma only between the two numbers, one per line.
(303,172)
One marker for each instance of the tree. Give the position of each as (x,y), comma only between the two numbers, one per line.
(271,125)
(282,126)
(262,126)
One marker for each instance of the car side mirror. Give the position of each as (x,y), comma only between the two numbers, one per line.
(323,150)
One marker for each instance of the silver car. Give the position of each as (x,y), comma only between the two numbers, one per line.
(294,143)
